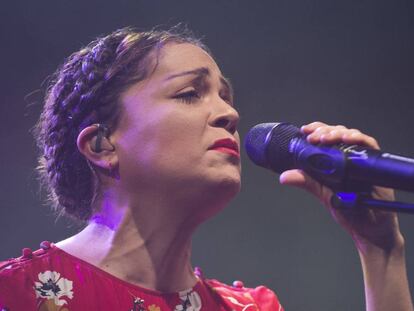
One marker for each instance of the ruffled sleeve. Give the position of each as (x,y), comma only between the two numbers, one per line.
(238,297)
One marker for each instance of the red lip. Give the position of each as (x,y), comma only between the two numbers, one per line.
(226,145)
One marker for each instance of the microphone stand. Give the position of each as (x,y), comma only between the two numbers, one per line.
(350,200)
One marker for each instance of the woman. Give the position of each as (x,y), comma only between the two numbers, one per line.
(139,139)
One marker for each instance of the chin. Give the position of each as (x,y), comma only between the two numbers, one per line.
(218,197)
(226,186)
(214,194)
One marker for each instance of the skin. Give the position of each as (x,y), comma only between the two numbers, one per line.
(161,180)
(152,200)
(375,233)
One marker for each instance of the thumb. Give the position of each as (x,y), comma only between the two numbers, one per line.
(300,179)
(294,177)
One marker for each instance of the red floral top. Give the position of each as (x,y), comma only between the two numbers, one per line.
(51,279)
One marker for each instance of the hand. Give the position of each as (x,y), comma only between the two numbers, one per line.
(368,228)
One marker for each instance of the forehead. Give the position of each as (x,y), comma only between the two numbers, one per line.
(179,57)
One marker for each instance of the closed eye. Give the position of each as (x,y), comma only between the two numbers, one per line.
(227,97)
(188,97)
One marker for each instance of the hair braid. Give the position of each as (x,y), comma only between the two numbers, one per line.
(85,90)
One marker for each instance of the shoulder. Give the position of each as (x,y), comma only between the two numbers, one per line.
(27,260)
(18,277)
(258,298)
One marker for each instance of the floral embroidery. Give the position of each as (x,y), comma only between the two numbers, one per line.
(154,308)
(138,304)
(190,301)
(53,287)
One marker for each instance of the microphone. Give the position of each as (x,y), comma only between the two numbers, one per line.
(282,146)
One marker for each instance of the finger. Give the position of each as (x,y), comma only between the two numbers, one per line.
(347,136)
(293,178)
(315,136)
(300,179)
(311,127)
(336,134)
(360,139)
(328,132)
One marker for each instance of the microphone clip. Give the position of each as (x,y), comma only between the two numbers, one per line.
(353,200)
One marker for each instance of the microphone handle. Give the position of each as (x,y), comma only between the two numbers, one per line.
(377,168)
(352,168)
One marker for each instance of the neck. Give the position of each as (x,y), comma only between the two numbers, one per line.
(146,240)
(147,245)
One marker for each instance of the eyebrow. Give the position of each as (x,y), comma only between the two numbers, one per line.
(202,72)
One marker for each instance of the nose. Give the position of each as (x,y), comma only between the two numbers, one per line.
(227,117)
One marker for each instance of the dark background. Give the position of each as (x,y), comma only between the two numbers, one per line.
(341,62)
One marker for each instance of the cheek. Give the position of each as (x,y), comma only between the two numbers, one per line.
(164,141)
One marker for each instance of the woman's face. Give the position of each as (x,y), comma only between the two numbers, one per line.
(170,123)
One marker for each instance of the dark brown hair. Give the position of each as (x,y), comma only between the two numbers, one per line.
(85,90)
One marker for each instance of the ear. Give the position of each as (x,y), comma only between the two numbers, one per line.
(106,156)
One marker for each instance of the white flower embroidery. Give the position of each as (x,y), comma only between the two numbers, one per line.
(52,286)
(191,301)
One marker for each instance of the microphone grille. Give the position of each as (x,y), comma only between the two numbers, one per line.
(267,145)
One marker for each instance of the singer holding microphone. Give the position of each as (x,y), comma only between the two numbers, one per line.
(138,139)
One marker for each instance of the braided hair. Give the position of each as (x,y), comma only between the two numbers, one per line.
(86,90)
